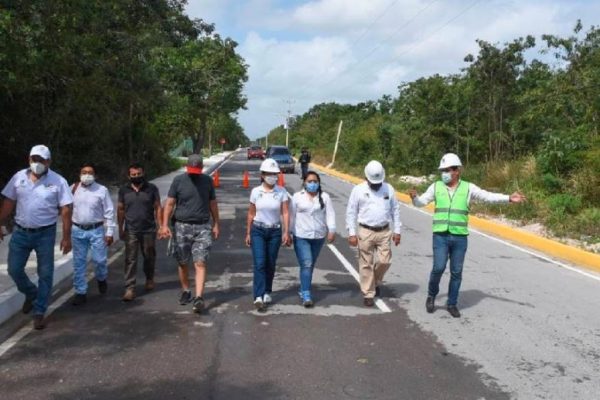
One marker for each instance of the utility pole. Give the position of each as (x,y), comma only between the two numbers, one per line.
(337,141)
(287,123)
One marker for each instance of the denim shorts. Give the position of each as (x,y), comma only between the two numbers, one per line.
(192,241)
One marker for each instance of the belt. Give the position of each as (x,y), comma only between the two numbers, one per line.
(263,225)
(375,228)
(41,228)
(88,227)
(199,222)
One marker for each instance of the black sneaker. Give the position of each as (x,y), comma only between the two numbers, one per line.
(102,286)
(79,299)
(453,310)
(198,305)
(27,306)
(430,304)
(185,298)
(377,291)
(369,301)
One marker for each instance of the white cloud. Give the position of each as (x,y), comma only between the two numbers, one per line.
(324,50)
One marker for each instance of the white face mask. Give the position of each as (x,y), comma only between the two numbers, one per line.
(446,177)
(271,180)
(87,179)
(37,168)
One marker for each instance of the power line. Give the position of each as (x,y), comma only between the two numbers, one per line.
(409,49)
(374,49)
(373,23)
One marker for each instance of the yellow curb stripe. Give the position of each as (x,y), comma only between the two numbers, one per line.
(556,249)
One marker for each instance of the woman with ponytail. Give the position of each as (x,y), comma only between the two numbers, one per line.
(312,220)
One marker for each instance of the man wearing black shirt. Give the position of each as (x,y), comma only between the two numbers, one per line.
(192,195)
(304,161)
(138,214)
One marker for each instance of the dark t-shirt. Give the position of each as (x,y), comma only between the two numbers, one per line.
(192,194)
(304,158)
(139,207)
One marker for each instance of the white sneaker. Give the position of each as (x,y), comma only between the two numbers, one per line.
(258,303)
(267,298)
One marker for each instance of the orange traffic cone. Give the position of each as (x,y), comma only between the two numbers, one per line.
(216,177)
(281,180)
(246,180)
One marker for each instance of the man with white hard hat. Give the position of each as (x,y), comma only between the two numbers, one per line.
(373,205)
(39,195)
(452,197)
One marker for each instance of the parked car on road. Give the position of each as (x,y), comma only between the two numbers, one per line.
(255,152)
(282,155)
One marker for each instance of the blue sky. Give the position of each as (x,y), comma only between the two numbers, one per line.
(314,51)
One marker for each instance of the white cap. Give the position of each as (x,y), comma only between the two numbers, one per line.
(374,172)
(40,150)
(450,160)
(269,165)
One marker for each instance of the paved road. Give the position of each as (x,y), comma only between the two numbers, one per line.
(530,329)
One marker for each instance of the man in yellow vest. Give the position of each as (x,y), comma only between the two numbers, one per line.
(452,197)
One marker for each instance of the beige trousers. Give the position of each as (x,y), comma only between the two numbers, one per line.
(374,258)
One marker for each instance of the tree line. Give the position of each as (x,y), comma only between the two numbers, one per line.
(517,124)
(111,82)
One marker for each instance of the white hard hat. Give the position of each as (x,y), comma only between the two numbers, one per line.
(450,160)
(40,150)
(374,172)
(269,165)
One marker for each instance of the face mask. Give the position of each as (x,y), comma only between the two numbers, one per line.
(271,180)
(446,177)
(137,180)
(37,168)
(375,186)
(87,179)
(312,187)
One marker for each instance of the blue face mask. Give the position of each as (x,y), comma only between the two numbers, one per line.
(446,177)
(312,187)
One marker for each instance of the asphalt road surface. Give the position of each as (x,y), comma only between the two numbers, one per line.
(530,328)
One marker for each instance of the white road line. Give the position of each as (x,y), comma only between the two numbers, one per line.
(378,302)
(21,333)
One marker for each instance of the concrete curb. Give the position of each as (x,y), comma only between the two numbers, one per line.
(11,300)
(551,247)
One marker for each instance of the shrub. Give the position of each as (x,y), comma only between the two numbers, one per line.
(564,203)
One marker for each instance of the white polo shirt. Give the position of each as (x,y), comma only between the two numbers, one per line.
(38,203)
(372,208)
(268,204)
(307,219)
(92,204)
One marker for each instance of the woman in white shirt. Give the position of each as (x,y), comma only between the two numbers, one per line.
(312,220)
(266,230)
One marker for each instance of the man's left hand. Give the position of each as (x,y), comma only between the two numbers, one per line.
(215,232)
(396,239)
(65,245)
(108,240)
(517,197)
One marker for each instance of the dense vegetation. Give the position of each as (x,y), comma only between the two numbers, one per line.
(112,81)
(531,126)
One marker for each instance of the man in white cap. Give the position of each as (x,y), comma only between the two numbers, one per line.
(452,197)
(374,206)
(38,194)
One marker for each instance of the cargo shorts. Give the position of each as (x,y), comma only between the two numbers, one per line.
(191,241)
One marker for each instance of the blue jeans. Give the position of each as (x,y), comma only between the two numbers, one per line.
(307,251)
(20,247)
(447,246)
(265,243)
(83,241)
